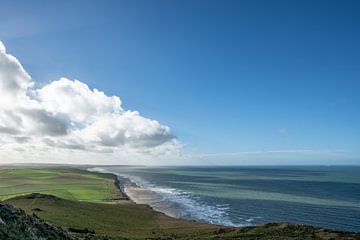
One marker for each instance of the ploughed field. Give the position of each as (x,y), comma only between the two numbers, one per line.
(86,206)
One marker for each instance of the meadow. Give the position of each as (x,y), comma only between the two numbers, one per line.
(71,183)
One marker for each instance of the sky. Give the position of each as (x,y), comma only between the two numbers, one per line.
(180,82)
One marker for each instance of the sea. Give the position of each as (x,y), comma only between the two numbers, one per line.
(323,196)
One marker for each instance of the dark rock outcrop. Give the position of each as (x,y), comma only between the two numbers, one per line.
(81,230)
(15,224)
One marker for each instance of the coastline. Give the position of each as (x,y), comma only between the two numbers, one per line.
(121,188)
(131,192)
(168,201)
(142,192)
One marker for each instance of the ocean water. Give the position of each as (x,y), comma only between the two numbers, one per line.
(242,196)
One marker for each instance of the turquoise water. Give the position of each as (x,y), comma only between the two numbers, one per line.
(240,196)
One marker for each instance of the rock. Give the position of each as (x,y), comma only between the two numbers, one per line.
(37,209)
(40,195)
(15,224)
(81,230)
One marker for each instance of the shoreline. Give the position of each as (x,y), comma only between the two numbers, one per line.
(120,184)
(141,195)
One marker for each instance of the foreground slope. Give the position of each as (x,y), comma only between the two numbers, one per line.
(15,224)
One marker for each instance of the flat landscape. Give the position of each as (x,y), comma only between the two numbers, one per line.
(69,184)
(85,205)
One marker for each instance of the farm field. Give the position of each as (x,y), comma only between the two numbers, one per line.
(72,184)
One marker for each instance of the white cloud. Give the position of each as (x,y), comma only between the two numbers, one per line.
(77,101)
(2,47)
(66,115)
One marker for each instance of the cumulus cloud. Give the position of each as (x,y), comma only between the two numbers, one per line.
(67,115)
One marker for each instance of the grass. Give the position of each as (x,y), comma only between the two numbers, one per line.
(72,184)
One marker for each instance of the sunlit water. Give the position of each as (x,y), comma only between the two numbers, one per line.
(240,196)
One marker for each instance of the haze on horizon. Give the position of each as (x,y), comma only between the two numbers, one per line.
(180,82)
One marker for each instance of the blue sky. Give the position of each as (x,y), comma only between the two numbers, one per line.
(227,77)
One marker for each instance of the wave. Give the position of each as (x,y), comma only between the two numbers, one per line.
(175,202)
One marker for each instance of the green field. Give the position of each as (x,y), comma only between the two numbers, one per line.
(70,184)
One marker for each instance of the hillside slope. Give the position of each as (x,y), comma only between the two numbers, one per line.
(15,224)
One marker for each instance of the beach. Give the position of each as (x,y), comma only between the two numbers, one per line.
(141,195)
